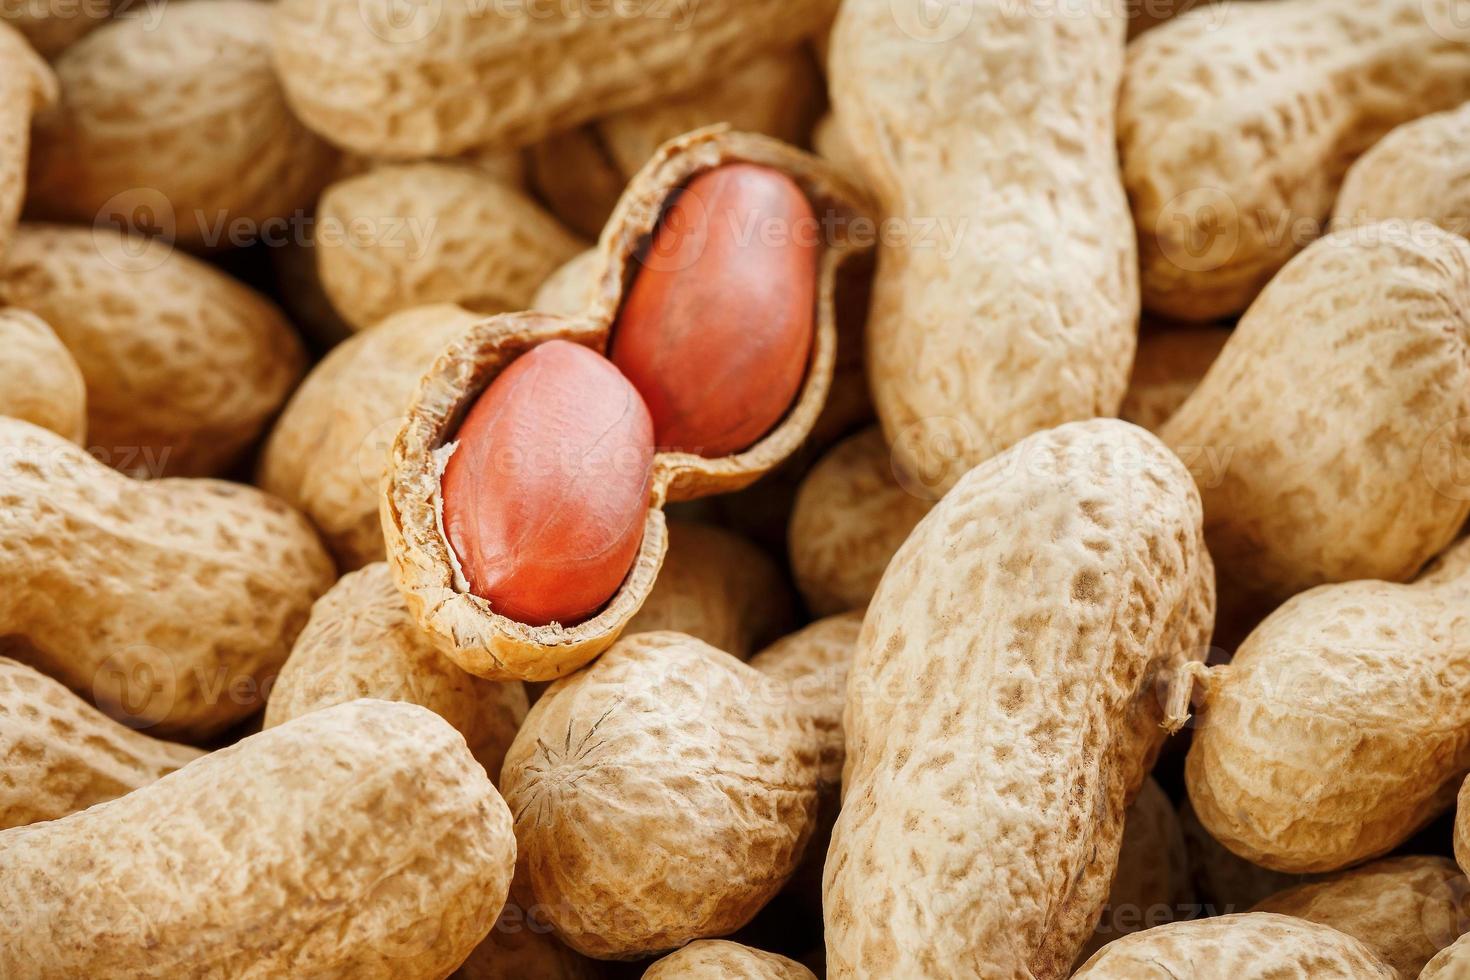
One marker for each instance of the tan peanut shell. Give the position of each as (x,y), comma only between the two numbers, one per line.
(1405,909)
(184,366)
(328,450)
(1248,946)
(1005,703)
(299,286)
(582,173)
(719,959)
(361,642)
(1224,882)
(661,795)
(39,379)
(1342,725)
(58,754)
(569,290)
(421,233)
(831,144)
(27,86)
(463,624)
(169,603)
(717,587)
(1236,122)
(360,841)
(850,516)
(1451,963)
(176,121)
(1462,826)
(815,662)
(1006,300)
(1323,436)
(51,28)
(1418,172)
(522,946)
(1168,367)
(461,74)
(1152,884)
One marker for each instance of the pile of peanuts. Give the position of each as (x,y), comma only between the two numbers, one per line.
(894,489)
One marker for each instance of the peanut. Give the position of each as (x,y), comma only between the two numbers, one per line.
(1451,963)
(1341,726)
(709,311)
(60,755)
(1011,303)
(717,587)
(461,75)
(27,86)
(328,450)
(425,233)
(178,122)
(169,603)
(850,516)
(1462,826)
(465,625)
(1322,436)
(39,380)
(1151,886)
(184,366)
(1076,560)
(361,642)
(1418,172)
(1168,367)
(521,946)
(1253,945)
(580,173)
(717,959)
(1224,881)
(52,28)
(623,751)
(1405,909)
(550,537)
(311,868)
(1237,121)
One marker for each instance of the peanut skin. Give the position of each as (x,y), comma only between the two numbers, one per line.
(545,497)
(58,754)
(1005,702)
(709,311)
(170,603)
(311,867)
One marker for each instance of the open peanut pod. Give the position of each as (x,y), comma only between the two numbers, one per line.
(487,637)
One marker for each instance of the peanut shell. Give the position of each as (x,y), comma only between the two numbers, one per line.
(1451,963)
(569,290)
(27,86)
(39,379)
(51,28)
(1005,703)
(170,603)
(463,624)
(1168,367)
(718,959)
(359,841)
(1418,172)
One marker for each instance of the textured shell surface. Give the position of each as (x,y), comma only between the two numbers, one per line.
(1236,123)
(1451,963)
(1342,725)
(460,74)
(184,365)
(170,603)
(698,766)
(178,116)
(361,841)
(717,587)
(850,516)
(327,451)
(1168,367)
(27,85)
(1418,172)
(1005,703)
(1011,304)
(58,754)
(39,379)
(362,642)
(1255,945)
(446,233)
(1323,436)
(719,959)
(1406,909)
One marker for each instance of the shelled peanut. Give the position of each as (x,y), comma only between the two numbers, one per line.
(176,124)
